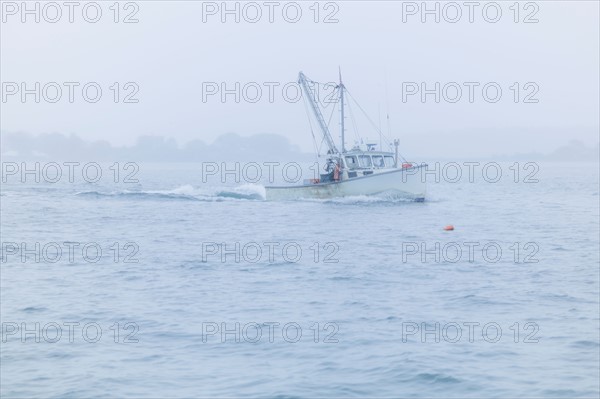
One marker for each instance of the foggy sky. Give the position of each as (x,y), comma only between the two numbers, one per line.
(171,52)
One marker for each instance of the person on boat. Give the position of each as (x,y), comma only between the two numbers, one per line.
(337,171)
(333,170)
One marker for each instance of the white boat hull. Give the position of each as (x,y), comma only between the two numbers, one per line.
(405,183)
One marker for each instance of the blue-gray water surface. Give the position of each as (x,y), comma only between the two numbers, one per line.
(357,305)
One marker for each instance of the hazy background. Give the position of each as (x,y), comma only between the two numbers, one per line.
(170,209)
(171,52)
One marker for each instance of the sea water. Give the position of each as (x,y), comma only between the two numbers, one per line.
(174,286)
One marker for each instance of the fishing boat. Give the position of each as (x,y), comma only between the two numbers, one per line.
(362,170)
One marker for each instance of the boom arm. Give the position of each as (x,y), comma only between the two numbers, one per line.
(318,115)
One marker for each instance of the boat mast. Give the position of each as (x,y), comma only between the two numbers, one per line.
(302,79)
(342,110)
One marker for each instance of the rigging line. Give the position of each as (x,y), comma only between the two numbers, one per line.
(324,86)
(318,103)
(313,94)
(367,116)
(354,124)
(363,111)
(389,143)
(332,112)
(317,98)
(317,148)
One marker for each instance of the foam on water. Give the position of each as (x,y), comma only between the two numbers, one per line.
(187,192)
(242,192)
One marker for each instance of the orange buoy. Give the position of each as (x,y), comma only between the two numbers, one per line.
(449,228)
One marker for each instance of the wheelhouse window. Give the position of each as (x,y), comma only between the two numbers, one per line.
(351,162)
(378,161)
(389,161)
(365,161)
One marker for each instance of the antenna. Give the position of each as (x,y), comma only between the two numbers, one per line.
(380,138)
(342,109)
(387,106)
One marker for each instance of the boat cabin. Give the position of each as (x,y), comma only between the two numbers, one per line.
(360,163)
(357,163)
